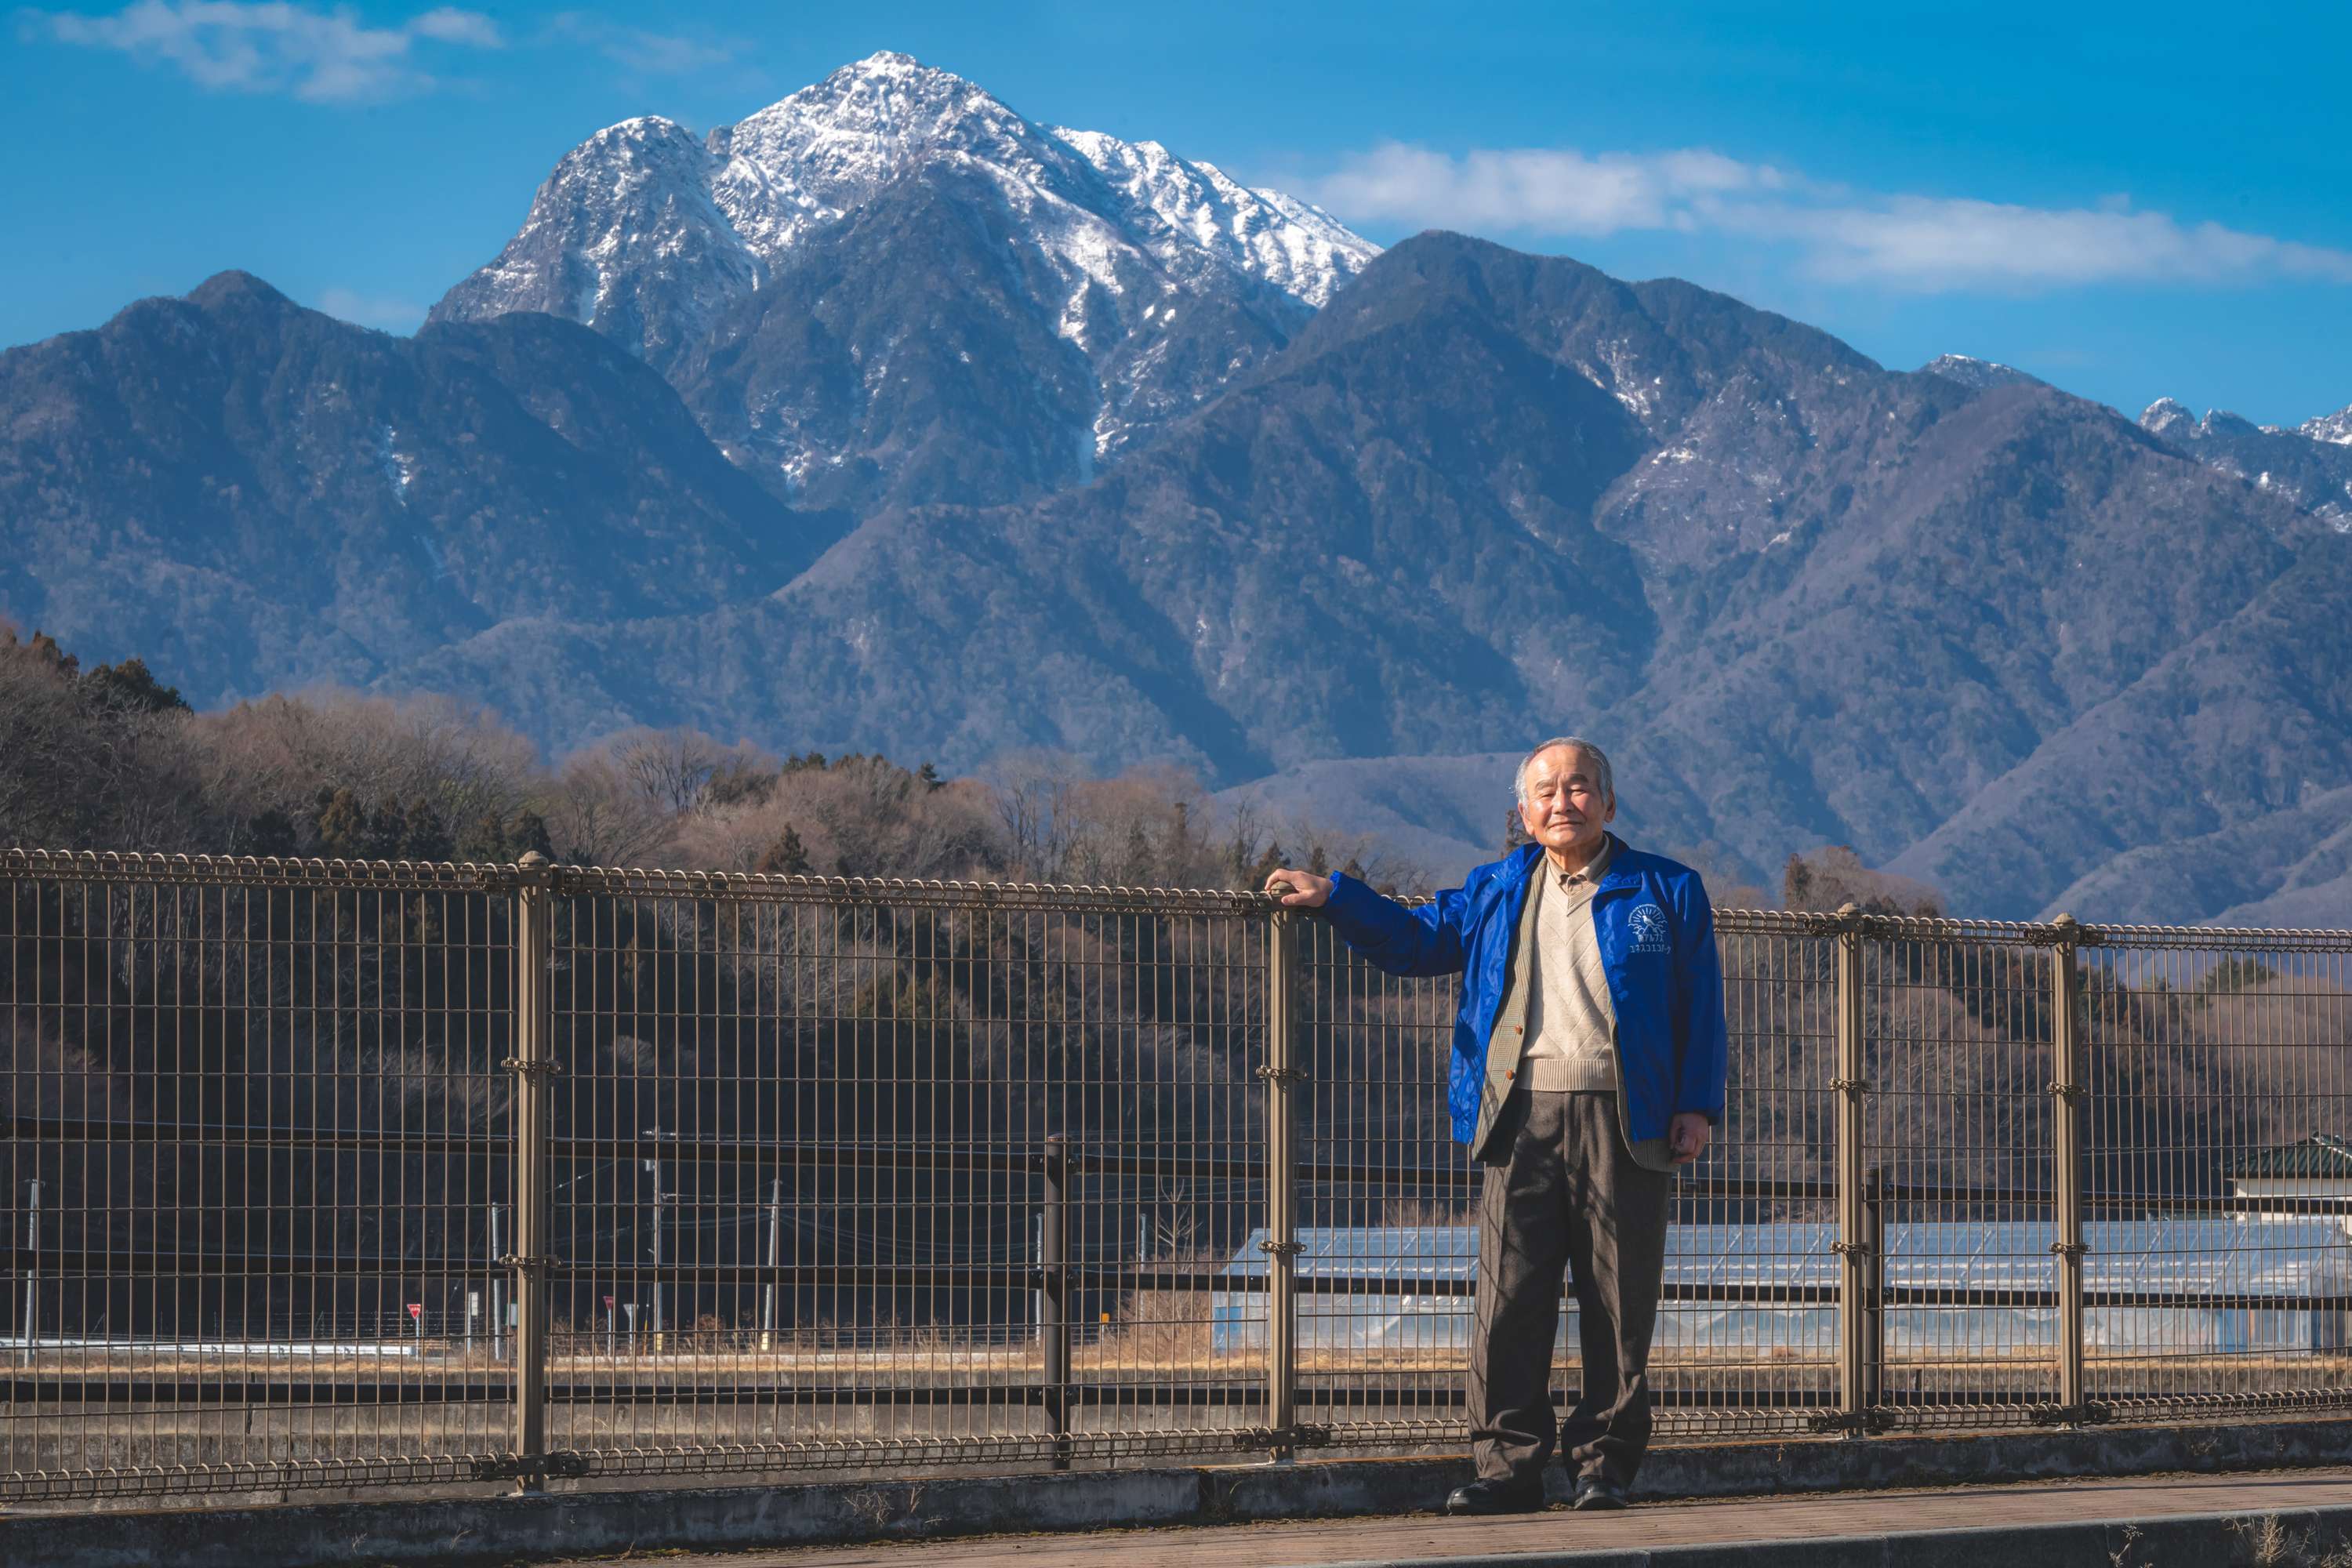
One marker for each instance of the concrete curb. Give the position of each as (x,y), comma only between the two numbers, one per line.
(2304,1538)
(502,1529)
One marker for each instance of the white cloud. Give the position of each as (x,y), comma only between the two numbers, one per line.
(1900,241)
(451,25)
(371,310)
(663,54)
(1532,189)
(273,46)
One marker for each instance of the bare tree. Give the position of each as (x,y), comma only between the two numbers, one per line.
(597,814)
(672,768)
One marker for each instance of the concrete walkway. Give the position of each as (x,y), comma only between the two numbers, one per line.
(2279,1520)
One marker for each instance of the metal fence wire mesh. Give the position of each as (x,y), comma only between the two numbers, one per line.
(328,1174)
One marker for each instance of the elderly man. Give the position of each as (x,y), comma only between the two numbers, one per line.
(1588,1063)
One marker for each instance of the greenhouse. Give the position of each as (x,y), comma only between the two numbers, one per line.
(2169,1286)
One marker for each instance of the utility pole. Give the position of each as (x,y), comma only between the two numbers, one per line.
(32,1271)
(498,1291)
(774,1257)
(654,1167)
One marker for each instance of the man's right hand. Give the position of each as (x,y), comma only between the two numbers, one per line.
(1298,890)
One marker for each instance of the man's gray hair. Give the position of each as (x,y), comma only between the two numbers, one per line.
(1598,759)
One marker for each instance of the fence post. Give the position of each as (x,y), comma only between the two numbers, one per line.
(1873,1233)
(1054,1293)
(533,1064)
(497,1291)
(654,1218)
(1285,998)
(32,1271)
(1853,1247)
(2066,1157)
(774,1259)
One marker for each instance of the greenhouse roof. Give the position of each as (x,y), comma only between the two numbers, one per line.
(2212,1256)
(2320,1155)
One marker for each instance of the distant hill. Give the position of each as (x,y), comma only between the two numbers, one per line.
(252,494)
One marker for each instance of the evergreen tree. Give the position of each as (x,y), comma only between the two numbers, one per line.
(342,826)
(787,856)
(44,650)
(485,840)
(427,839)
(928,777)
(530,835)
(271,832)
(130,688)
(387,830)
(1795,884)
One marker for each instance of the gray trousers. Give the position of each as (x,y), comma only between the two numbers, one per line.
(1565,1195)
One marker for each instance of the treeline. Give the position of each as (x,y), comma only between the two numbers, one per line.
(833,1029)
(111,758)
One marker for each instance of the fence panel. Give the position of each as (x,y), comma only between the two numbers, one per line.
(256,1135)
(1958,1063)
(1386,1203)
(852,1176)
(2219,1154)
(1748,1332)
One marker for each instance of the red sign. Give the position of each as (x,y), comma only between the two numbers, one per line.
(416,1309)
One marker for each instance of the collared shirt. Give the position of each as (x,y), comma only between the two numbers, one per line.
(1571,1023)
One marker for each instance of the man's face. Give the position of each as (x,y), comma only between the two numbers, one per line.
(1564,810)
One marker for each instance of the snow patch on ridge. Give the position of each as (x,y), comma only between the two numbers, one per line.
(715,214)
(399,467)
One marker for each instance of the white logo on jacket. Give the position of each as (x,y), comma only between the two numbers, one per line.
(1647,926)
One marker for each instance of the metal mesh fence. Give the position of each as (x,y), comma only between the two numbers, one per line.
(2216,1128)
(328,1174)
(256,1125)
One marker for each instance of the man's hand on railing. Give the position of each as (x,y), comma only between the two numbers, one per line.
(1298,890)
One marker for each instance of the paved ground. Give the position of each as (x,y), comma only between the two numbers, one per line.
(1425,1538)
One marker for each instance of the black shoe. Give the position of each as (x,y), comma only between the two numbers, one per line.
(1497,1497)
(1597,1492)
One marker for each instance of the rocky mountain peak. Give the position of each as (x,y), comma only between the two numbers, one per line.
(1141,285)
(233,289)
(2333,428)
(807,160)
(2308,465)
(1979,374)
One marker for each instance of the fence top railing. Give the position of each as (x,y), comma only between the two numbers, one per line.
(415,876)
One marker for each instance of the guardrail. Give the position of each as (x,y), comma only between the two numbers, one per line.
(329,1174)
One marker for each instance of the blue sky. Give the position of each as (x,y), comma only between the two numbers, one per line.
(2133,202)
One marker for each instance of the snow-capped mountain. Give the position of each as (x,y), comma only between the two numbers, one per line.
(2311,465)
(626,236)
(1979,374)
(1161,278)
(2333,428)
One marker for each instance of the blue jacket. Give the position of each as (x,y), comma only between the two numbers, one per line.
(1656,932)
